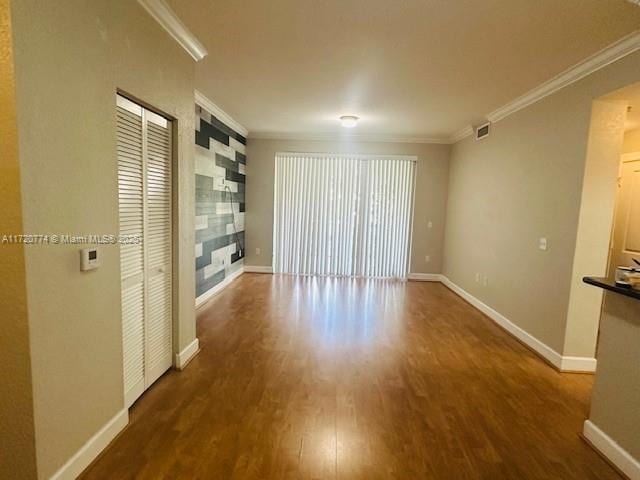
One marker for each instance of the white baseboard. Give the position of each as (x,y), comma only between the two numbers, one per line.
(219,287)
(425,277)
(608,447)
(578,364)
(258,269)
(94,446)
(187,354)
(547,352)
(564,364)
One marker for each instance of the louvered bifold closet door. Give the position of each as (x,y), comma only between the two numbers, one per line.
(131,212)
(158,246)
(144,190)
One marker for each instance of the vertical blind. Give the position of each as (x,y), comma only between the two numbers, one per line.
(342,214)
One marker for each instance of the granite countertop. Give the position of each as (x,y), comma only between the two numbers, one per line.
(610,284)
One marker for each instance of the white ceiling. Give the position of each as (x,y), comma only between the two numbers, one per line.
(408,68)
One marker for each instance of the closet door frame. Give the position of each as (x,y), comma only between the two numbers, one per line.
(174,234)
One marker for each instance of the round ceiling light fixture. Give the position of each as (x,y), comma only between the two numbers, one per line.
(349,121)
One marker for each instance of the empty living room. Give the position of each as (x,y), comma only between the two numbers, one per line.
(303,239)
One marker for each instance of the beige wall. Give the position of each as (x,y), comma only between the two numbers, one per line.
(17,434)
(70,60)
(522,183)
(616,391)
(430,197)
(631,141)
(595,223)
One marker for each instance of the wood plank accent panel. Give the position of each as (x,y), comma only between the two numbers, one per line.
(220,163)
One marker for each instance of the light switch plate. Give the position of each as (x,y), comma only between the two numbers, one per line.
(89,259)
(543,244)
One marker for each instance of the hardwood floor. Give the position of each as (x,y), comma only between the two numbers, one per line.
(305,378)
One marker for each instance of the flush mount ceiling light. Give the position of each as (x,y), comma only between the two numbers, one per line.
(349,121)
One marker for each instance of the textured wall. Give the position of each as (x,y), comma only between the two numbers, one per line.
(17,432)
(631,141)
(616,391)
(220,186)
(521,183)
(595,222)
(69,63)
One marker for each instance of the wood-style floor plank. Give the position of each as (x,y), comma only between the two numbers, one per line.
(318,378)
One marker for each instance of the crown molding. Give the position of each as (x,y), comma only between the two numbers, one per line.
(333,137)
(601,59)
(623,47)
(591,64)
(220,114)
(167,18)
(460,134)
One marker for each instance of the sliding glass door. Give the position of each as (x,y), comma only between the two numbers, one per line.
(343,214)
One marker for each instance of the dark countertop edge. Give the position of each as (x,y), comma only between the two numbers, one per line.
(609,284)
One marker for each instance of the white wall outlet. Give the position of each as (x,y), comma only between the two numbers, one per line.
(543,244)
(477,278)
(485,281)
(427,258)
(257,251)
(430,224)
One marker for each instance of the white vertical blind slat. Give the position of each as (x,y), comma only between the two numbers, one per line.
(342,215)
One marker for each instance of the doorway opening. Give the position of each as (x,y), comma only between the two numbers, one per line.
(609,222)
(625,239)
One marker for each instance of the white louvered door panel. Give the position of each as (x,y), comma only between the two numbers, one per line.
(144,189)
(158,246)
(131,215)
